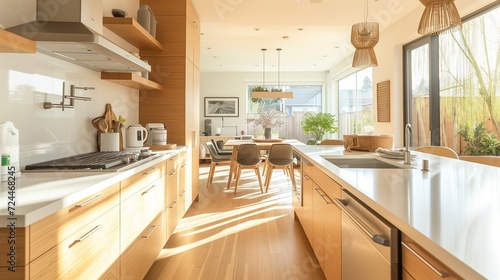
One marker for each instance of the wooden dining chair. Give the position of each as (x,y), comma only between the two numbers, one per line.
(217,160)
(280,157)
(438,151)
(248,158)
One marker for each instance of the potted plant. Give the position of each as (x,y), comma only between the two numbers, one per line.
(480,142)
(318,124)
(268,118)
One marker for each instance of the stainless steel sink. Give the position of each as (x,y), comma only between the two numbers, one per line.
(363,162)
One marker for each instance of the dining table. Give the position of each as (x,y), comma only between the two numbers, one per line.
(262,144)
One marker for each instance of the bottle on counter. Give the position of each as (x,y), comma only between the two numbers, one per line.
(9,150)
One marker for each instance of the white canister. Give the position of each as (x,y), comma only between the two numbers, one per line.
(110,142)
(9,150)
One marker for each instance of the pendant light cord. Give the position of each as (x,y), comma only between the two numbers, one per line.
(263,68)
(279,50)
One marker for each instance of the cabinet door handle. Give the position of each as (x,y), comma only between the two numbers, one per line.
(382,240)
(172,205)
(429,265)
(89,201)
(150,231)
(182,193)
(323,196)
(86,235)
(307,177)
(173,172)
(146,191)
(150,171)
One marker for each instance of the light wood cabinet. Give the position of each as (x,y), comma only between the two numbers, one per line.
(307,200)
(138,258)
(327,224)
(419,264)
(321,218)
(172,195)
(184,198)
(13,43)
(86,254)
(177,70)
(47,233)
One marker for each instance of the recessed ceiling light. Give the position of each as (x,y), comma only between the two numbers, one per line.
(214,56)
(285,37)
(209,48)
(300,29)
(256,29)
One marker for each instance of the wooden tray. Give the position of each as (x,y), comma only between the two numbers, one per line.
(267,140)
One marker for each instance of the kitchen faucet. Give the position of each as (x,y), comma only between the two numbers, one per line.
(406,152)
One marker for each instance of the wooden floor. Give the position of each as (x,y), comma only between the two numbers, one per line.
(247,235)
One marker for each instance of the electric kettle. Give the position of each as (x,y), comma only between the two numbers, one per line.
(136,135)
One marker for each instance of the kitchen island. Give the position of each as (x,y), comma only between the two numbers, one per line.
(452,211)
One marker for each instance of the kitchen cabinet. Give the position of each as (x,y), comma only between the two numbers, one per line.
(419,264)
(172,195)
(307,200)
(176,68)
(86,254)
(13,43)
(321,218)
(183,195)
(327,224)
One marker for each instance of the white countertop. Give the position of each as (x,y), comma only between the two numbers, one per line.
(39,194)
(452,210)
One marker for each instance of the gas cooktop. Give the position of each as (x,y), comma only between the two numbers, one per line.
(94,161)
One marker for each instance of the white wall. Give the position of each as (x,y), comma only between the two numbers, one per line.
(47,134)
(229,84)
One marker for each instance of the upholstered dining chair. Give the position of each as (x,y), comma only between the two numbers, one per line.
(217,160)
(438,151)
(220,151)
(280,157)
(248,158)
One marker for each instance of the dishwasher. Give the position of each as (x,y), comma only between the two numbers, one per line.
(369,243)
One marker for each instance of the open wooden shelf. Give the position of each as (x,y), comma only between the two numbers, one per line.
(13,43)
(130,80)
(131,31)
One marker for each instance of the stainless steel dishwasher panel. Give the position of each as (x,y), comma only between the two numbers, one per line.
(369,243)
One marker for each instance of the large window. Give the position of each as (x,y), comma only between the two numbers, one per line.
(355,102)
(306,98)
(452,87)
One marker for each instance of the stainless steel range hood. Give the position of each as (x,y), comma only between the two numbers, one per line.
(72,32)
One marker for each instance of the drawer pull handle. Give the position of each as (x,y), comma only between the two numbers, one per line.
(86,235)
(182,193)
(172,205)
(307,177)
(146,191)
(439,273)
(150,171)
(150,232)
(380,239)
(323,197)
(89,201)
(173,172)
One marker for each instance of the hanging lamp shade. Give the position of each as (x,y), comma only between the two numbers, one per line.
(439,16)
(364,37)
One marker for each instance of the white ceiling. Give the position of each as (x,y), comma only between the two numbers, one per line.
(229,41)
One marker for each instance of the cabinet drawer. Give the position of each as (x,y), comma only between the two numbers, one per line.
(172,217)
(172,164)
(50,231)
(139,210)
(328,185)
(137,181)
(138,258)
(420,264)
(86,254)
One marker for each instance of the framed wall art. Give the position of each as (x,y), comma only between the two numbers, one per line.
(222,107)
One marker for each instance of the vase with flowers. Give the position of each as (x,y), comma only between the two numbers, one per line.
(267,118)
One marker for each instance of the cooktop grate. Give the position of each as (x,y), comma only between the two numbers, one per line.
(93,160)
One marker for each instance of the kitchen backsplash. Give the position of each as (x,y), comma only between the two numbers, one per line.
(29,80)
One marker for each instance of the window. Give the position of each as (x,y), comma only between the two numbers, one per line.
(306,98)
(355,102)
(451,82)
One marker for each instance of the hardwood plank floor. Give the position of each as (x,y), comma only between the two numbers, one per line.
(247,235)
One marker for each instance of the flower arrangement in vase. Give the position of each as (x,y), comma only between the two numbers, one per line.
(268,118)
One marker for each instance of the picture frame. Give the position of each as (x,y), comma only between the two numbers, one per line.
(222,107)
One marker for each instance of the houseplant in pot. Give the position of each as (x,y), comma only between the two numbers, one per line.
(318,124)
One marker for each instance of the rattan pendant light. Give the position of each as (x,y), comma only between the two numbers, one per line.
(439,16)
(364,37)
